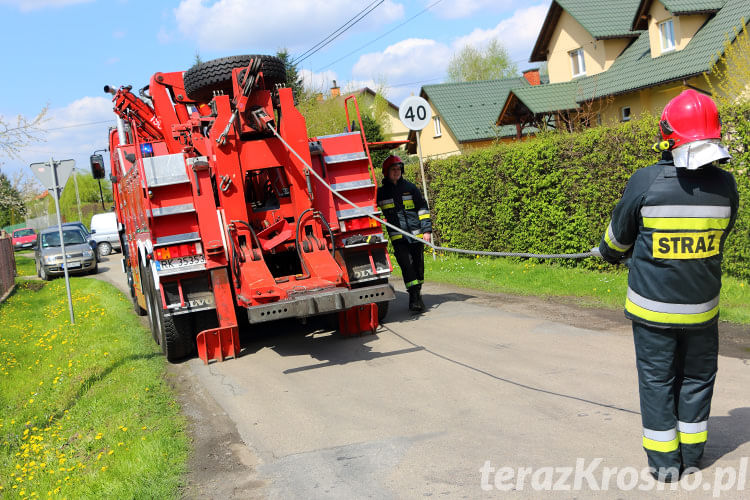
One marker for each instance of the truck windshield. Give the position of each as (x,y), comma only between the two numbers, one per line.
(72,237)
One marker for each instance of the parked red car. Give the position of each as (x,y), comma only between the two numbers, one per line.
(23,238)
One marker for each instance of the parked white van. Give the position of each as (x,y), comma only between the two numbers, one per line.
(104,232)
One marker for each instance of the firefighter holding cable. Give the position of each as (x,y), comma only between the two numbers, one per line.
(672,222)
(404,206)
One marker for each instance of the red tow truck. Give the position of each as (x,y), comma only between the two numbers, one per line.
(221,219)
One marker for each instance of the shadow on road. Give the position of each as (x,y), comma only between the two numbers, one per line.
(726,434)
(318,337)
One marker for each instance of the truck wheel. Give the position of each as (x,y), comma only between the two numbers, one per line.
(104,248)
(131,285)
(153,314)
(177,338)
(216,75)
(382,311)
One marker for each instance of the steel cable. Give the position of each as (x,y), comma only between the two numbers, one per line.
(580,255)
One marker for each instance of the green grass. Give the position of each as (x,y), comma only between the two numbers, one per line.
(25,266)
(85,411)
(579,286)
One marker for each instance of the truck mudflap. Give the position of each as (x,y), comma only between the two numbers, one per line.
(315,303)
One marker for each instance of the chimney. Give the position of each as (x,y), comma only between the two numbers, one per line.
(335,90)
(532,76)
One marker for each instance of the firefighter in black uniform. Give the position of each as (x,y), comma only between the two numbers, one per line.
(672,221)
(404,206)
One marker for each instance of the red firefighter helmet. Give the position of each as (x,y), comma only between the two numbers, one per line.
(390,161)
(689,117)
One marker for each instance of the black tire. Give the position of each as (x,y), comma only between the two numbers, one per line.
(104,248)
(96,269)
(153,315)
(382,311)
(177,341)
(43,274)
(131,285)
(216,75)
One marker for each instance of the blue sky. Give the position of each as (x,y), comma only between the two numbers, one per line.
(61,53)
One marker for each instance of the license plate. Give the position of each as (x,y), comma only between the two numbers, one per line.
(72,264)
(190,260)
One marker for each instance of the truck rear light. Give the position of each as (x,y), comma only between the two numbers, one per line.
(358,224)
(172,252)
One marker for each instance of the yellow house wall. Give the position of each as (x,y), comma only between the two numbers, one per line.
(651,100)
(570,35)
(443,145)
(685,27)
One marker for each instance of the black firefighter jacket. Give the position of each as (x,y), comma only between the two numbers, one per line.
(404,207)
(673,223)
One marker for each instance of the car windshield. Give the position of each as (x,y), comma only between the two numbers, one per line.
(23,232)
(72,237)
(78,225)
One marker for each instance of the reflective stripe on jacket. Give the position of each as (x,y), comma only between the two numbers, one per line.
(404,207)
(673,223)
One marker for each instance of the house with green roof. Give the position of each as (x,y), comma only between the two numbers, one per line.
(631,57)
(464,115)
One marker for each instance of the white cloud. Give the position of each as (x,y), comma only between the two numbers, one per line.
(73,132)
(516,33)
(318,82)
(408,60)
(236,24)
(456,9)
(29,5)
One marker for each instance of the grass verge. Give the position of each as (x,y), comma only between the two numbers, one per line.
(85,411)
(25,266)
(582,287)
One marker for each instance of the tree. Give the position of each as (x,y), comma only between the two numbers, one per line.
(12,208)
(732,71)
(293,78)
(471,64)
(197,60)
(14,136)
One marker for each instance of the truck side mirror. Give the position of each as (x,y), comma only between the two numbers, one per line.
(97,166)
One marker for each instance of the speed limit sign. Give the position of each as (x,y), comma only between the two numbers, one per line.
(415,113)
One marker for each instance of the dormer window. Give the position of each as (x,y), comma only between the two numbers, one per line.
(577,62)
(666,30)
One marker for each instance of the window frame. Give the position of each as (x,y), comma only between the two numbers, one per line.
(577,56)
(622,114)
(437,125)
(663,38)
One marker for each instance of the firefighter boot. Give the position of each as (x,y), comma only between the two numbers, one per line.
(415,300)
(420,302)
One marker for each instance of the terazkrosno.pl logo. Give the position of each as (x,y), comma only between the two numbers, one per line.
(593,476)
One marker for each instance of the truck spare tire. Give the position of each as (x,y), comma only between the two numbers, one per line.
(203,79)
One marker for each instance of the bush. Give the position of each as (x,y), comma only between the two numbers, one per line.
(555,193)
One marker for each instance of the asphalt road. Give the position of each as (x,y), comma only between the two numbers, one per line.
(435,405)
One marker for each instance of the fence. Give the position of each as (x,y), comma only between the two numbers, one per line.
(7,267)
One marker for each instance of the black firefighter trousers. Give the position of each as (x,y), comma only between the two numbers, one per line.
(410,257)
(676,374)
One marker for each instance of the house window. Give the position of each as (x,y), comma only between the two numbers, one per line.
(666,29)
(625,113)
(438,131)
(576,59)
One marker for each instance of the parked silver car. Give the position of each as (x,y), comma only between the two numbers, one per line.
(48,253)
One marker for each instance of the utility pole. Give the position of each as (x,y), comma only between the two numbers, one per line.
(78,198)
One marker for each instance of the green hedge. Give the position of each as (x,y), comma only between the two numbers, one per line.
(555,193)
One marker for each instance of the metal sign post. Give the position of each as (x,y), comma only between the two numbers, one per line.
(50,175)
(415,113)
